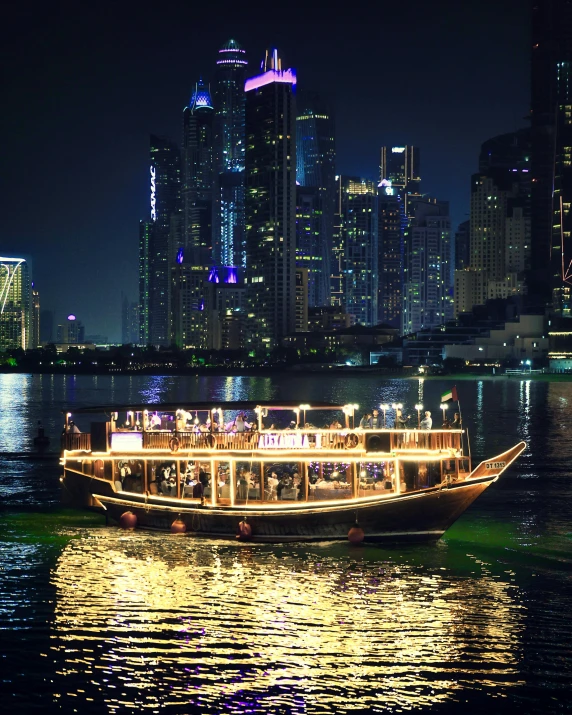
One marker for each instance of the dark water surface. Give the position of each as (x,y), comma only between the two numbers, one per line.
(96,620)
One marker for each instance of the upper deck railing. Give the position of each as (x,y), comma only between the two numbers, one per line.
(368,440)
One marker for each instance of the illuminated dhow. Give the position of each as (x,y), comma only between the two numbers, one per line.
(271,472)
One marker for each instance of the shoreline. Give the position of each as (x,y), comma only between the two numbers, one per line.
(386,374)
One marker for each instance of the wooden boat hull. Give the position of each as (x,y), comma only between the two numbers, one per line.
(422,515)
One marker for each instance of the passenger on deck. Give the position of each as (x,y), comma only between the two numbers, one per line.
(155,421)
(73,428)
(456,423)
(365,422)
(198,491)
(427,422)
(335,424)
(375,422)
(400,420)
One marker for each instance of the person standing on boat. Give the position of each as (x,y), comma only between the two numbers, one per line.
(427,422)
(198,490)
(400,420)
(375,422)
(365,422)
(456,423)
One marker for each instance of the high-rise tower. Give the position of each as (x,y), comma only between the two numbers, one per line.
(391,223)
(551,127)
(360,260)
(15,304)
(229,152)
(165,213)
(316,167)
(198,175)
(400,166)
(270,205)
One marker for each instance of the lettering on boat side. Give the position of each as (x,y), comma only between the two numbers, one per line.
(288,441)
(495,465)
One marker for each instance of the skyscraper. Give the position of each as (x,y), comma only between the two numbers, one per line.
(165,215)
(129,321)
(15,304)
(359,228)
(498,227)
(316,167)
(197,176)
(229,153)
(551,127)
(309,242)
(270,206)
(392,222)
(427,290)
(400,166)
(462,246)
(145,231)
(35,319)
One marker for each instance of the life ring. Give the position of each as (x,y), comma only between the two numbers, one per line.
(174,444)
(351,440)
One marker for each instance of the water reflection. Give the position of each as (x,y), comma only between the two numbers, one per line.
(145,621)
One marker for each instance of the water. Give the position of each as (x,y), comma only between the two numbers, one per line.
(96,620)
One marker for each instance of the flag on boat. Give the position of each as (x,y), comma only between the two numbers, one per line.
(450,395)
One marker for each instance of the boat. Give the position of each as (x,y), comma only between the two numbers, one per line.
(269,472)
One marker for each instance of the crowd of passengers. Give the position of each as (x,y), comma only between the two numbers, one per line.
(280,483)
(184,421)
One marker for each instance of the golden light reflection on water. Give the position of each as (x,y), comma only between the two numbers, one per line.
(143,621)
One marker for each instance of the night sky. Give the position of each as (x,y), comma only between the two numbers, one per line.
(84,85)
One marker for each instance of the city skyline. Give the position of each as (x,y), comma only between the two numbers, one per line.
(91,150)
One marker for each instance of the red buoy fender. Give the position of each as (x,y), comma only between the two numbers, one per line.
(178,527)
(356,535)
(128,520)
(244,531)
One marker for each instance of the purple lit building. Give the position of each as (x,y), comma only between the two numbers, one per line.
(270,205)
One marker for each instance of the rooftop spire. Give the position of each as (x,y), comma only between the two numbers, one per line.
(201,97)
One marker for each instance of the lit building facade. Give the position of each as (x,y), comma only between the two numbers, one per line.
(359,228)
(309,244)
(129,321)
(392,224)
(337,299)
(145,231)
(35,319)
(229,155)
(198,175)
(551,110)
(165,220)
(462,246)
(270,205)
(427,290)
(316,168)
(500,245)
(561,259)
(71,332)
(400,165)
(15,304)
(192,299)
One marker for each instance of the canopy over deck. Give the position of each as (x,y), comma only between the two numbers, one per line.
(204,406)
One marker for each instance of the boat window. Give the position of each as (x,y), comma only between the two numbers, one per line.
(248,483)
(330,480)
(375,478)
(223,480)
(128,475)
